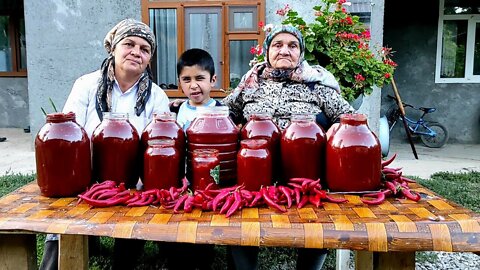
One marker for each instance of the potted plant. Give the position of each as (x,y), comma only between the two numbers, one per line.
(339,42)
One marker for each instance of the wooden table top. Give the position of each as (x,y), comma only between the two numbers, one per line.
(396,225)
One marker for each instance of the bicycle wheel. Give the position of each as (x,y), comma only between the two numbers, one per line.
(435,141)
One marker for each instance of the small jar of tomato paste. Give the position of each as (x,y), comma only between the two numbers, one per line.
(205,168)
(62,154)
(160,165)
(254,164)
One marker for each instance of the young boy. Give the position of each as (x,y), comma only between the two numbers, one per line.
(196,76)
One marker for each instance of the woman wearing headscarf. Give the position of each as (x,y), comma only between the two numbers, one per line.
(283,85)
(286,84)
(122,84)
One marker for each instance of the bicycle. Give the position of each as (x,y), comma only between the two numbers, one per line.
(432,134)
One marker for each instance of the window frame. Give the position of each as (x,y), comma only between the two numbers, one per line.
(15,14)
(472,20)
(226,37)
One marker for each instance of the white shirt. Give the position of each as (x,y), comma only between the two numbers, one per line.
(82,100)
(187,112)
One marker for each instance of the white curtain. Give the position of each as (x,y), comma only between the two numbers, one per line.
(164,24)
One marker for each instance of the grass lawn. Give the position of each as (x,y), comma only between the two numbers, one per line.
(461,188)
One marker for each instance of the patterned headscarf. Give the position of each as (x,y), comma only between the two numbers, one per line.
(302,73)
(125,28)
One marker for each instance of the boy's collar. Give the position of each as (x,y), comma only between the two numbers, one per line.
(190,106)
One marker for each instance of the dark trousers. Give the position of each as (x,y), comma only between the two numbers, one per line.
(246,258)
(125,253)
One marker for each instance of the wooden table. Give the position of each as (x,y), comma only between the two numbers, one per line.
(386,236)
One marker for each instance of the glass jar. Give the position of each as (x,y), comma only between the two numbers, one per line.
(116,150)
(254,164)
(213,129)
(261,126)
(160,166)
(62,155)
(205,168)
(303,148)
(165,126)
(353,156)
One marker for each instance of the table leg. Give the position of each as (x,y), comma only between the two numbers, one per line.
(366,260)
(73,252)
(18,251)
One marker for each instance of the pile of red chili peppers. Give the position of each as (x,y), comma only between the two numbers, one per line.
(299,191)
(394,184)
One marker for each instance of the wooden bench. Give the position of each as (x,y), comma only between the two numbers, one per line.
(385,236)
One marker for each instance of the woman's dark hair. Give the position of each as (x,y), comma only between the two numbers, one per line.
(197,57)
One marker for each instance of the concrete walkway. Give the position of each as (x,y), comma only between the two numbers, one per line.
(17,155)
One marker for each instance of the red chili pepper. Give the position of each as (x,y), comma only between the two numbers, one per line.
(295,185)
(107,194)
(388,161)
(179,203)
(170,204)
(136,196)
(335,200)
(227,204)
(321,193)
(209,186)
(298,195)
(173,192)
(103,185)
(301,180)
(303,201)
(270,202)
(256,198)
(220,197)
(148,199)
(286,192)
(315,200)
(393,176)
(104,203)
(204,194)
(185,184)
(408,180)
(247,195)
(314,184)
(379,198)
(207,205)
(391,170)
(391,186)
(410,194)
(188,205)
(236,204)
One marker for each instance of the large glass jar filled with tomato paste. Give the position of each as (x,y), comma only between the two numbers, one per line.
(303,148)
(116,150)
(254,164)
(261,126)
(165,126)
(213,129)
(205,168)
(353,156)
(62,154)
(160,164)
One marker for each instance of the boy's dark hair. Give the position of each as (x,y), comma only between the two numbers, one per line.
(197,57)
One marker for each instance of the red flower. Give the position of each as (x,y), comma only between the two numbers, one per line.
(253,50)
(387,75)
(284,10)
(260,24)
(359,78)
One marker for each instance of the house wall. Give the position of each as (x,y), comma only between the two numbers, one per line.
(13,102)
(65,41)
(412,31)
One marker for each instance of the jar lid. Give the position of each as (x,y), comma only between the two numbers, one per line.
(351,118)
(213,111)
(115,115)
(260,116)
(254,143)
(303,117)
(165,116)
(60,117)
(205,152)
(162,142)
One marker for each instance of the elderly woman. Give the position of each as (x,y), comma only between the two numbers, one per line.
(283,85)
(287,84)
(123,84)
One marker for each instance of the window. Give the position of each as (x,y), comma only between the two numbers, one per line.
(226,29)
(458,45)
(13,57)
